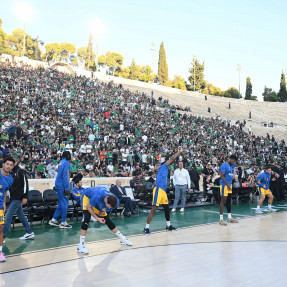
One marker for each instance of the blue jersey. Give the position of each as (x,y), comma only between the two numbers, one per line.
(228,171)
(77,193)
(161,178)
(264,179)
(63,177)
(5,184)
(97,196)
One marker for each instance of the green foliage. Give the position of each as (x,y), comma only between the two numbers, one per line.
(124,73)
(134,71)
(162,66)
(282,94)
(87,58)
(232,93)
(269,95)
(179,83)
(212,90)
(114,60)
(253,98)
(102,60)
(54,50)
(248,92)
(196,78)
(146,74)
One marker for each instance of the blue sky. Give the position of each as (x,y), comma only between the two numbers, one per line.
(221,33)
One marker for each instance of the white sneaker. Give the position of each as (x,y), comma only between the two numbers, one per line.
(53,222)
(28,236)
(203,199)
(125,241)
(65,225)
(270,209)
(4,240)
(173,210)
(82,248)
(182,210)
(258,211)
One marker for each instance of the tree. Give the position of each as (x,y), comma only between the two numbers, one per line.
(146,74)
(4,48)
(179,83)
(90,53)
(55,50)
(114,60)
(134,71)
(232,93)
(248,92)
(86,58)
(196,78)
(124,73)
(282,94)
(212,90)
(102,60)
(162,66)
(269,95)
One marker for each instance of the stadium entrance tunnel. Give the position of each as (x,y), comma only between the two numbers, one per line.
(63,67)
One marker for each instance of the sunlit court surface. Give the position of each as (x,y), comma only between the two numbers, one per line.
(194,255)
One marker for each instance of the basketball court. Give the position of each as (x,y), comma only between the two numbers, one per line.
(204,254)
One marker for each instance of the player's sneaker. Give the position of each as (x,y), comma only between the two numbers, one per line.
(146,231)
(258,211)
(232,220)
(82,248)
(170,228)
(65,225)
(222,222)
(28,236)
(173,210)
(270,209)
(125,241)
(182,210)
(4,240)
(53,222)
(93,219)
(2,257)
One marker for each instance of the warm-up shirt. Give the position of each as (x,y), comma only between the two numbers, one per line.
(63,177)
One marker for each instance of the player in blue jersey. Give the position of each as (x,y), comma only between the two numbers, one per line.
(62,187)
(97,202)
(226,173)
(159,194)
(263,182)
(6,181)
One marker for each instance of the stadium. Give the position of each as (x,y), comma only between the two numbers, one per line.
(120,175)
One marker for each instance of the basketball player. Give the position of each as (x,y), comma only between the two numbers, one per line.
(159,194)
(6,181)
(226,172)
(97,202)
(263,182)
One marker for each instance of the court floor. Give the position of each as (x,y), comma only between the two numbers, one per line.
(251,253)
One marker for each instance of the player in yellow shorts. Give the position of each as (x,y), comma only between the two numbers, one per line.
(263,182)
(159,194)
(226,175)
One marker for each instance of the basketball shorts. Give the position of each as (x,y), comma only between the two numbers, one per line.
(263,191)
(85,201)
(224,190)
(159,196)
(2,221)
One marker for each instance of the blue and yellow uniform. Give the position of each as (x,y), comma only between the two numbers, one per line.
(228,171)
(5,184)
(62,183)
(264,179)
(95,196)
(77,193)
(159,191)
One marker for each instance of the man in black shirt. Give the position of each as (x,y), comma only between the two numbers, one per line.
(79,176)
(205,173)
(18,196)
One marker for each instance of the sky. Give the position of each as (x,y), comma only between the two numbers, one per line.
(220,33)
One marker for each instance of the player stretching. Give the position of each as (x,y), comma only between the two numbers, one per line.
(263,181)
(159,194)
(226,175)
(97,201)
(6,181)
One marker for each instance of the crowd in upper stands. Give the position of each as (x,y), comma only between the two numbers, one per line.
(112,131)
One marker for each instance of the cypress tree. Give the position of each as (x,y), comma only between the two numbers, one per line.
(282,95)
(90,48)
(248,92)
(162,66)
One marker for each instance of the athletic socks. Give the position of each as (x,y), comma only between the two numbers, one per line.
(0,248)
(221,216)
(168,223)
(119,235)
(269,205)
(147,226)
(229,215)
(258,207)
(82,239)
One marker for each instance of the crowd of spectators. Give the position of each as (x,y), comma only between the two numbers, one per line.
(111,131)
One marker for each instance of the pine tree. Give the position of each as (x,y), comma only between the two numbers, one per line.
(90,47)
(196,78)
(282,95)
(162,66)
(248,92)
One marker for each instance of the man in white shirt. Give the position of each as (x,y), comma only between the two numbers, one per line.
(181,182)
(52,170)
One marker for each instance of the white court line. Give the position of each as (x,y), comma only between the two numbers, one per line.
(224,213)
